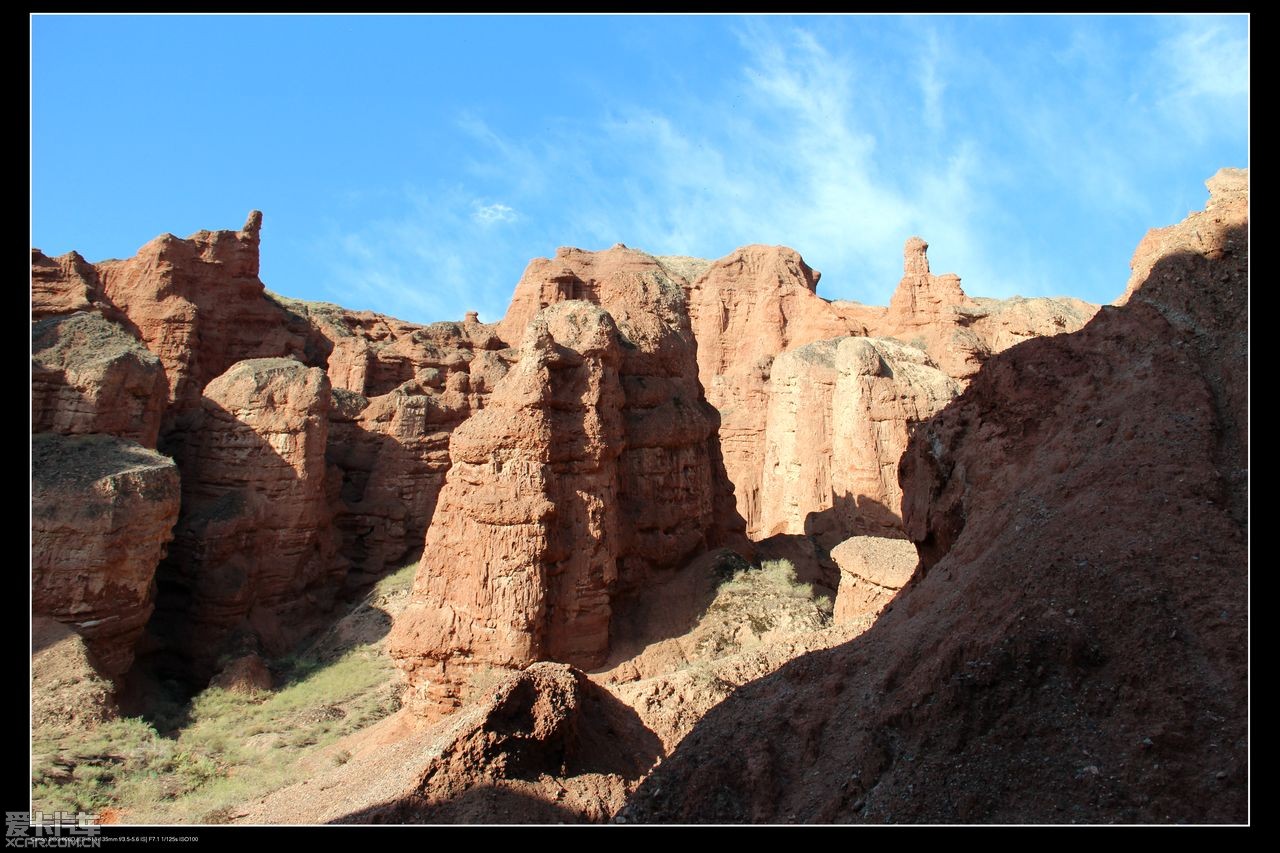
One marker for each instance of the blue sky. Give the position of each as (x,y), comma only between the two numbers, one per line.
(414,165)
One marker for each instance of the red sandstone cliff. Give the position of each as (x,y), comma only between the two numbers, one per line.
(102,513)
(255,550)
(129,348)
(525,545)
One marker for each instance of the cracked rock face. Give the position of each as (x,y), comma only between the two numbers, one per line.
(255,549)
(745,309)
(838,420)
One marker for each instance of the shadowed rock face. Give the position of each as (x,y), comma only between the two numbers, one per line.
(102,512)
(89,375)
(400,389)
(1074,645)
(255,550)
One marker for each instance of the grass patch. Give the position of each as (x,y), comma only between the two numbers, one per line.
(234,746)
(774,576)
(753,601)
(401,580)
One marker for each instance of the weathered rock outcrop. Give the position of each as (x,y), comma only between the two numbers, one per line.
(838,418)
(672,482)
(872,571)
(526,542)
(752,306)
(102,512)
(89,375)
(129,347)
(254,559)
(64,285)
(1176,265)
(933,313)
(400,389)
(199,306)
(1074,647)
(744,310)
(373,354)
(67,691)
(245,674)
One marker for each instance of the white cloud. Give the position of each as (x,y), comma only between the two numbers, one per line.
(789,154)
(1206,60)
(490,214)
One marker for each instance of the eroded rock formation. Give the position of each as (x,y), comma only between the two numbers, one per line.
(198,304)
(255,553)
(526,542)
(1075,648)
(400,389)
(672,475)
(68,693)
(545,745)
(102,513)
(838,419)
(749,308)
(89,375)
(129,347)
(315,440)
(745,309)
(873,569)
(64,285)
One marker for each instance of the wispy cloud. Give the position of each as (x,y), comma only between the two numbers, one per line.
(1206,59)
(1202,73)
(932,84)
(819,143)
(490,214)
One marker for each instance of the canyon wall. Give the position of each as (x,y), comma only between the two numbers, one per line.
(1073,647)
(153,350)
(725,401)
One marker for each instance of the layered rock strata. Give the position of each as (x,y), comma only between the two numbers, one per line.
(89,375)
(102,514)
(526,543)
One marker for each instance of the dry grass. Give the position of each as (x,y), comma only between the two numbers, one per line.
(229,747)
